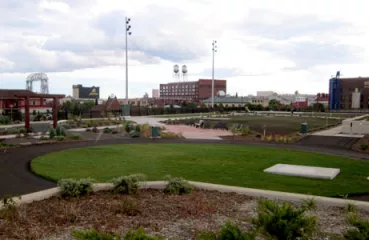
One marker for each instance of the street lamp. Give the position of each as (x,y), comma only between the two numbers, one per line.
(214,49)
(128,32)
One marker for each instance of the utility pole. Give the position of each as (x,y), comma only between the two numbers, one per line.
(128,32)
(214,49)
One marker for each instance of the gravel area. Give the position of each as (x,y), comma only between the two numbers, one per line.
(171,216)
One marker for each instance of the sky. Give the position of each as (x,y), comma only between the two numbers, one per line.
(262,45)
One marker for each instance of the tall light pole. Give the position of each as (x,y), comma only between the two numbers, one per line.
(214,49)
(128,32)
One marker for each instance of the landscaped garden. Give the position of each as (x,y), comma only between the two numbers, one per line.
(179,211)
(214,163)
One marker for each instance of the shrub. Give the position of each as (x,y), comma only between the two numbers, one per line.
(60,138)
(364,147)
(52,133)
(4,120)
(309,203)
(93,235)
(95,130)
(284,221)
(114,132)
(9,210)
(76,136)
(75,188)
(138,128)
(245,131)
(227,232)
(129,207)
(127,127)
(177,185)
(360,230)
(107,130)
(128,184)
(60,131)
(140,234)
(350,208)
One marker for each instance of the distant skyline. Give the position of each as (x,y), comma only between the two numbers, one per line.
(263,45)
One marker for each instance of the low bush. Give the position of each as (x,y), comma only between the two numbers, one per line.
(76,136)
(75,188)
(6,145)
(4,120)
(114,132)
(177,185)
(129,207)
(364,147)
(359,230)
(227,232)
(245,131)
(52,133)
(9,211)
(60,138)
(284,221)
(60,131)
(107,130)
(128,184)
(138,128)
(93,235)
(95,130)
(127,127)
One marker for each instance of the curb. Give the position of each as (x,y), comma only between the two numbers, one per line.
(257,193)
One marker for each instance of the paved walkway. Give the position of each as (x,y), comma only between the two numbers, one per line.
(16,177)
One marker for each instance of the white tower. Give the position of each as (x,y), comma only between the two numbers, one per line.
(176,73)
(184,73)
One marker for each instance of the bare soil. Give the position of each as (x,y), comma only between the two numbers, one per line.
(170,216)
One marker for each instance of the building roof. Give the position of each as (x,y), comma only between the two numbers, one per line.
(19,93)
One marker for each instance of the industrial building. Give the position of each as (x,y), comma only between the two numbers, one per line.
(193,91)
(348,93)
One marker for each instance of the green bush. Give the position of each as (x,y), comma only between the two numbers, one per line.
(76,136)
(93,235)
(60,131)
(75,188)
(138,128)
(364,147)
(107,130)
(284,221)
(128,184)
(140,234)
(4,120)
(177,185)
(360,230)
(114,132)
(60,138)
(52,133)
(245,131)
(229,231)
(127,127)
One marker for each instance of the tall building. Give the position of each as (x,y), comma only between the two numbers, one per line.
(155,93)
(192,91)
(348,93)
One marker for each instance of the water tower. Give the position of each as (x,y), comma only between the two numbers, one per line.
(176,73)
(184,73)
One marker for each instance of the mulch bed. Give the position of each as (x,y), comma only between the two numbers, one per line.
(358,145)
(159,214)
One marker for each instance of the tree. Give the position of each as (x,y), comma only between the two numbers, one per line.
(274,104)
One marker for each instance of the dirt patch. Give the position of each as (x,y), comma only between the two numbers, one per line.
(159,214)
(362,145)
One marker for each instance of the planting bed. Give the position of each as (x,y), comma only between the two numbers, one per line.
(170,216)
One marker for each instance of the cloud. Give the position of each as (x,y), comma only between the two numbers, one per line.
(281,45)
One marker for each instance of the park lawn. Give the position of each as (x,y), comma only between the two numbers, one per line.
(213,163)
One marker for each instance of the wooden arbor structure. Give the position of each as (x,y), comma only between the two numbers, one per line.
(28,95)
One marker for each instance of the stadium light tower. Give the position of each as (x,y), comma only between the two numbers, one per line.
(214,49)
(128,32)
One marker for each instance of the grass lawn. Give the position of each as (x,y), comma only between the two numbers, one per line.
(213,163)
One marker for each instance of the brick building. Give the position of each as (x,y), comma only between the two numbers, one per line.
(349,93)
(193,91)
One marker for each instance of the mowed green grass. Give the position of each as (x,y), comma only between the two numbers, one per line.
(213,163)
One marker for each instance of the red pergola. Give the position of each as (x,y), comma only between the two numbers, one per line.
(27,95)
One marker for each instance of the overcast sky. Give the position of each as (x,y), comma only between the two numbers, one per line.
(283,45)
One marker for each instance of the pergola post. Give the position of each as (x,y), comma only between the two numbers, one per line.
(55,112)
(26,114)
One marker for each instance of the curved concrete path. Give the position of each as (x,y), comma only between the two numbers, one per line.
(17,179)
